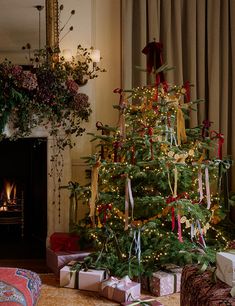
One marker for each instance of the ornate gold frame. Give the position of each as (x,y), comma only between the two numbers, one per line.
(52,26)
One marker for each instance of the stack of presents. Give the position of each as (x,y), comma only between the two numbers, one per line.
(66,260)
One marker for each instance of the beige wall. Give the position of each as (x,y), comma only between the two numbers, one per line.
(96,23)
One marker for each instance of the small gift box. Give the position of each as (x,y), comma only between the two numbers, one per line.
(148,301)
(57,260)
(89,279)
(225,264)
(68,276)
(164,283)
(177,272)
(64,242)
(120,290)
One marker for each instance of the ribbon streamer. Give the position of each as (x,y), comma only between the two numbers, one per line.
(179,228)
(181,133)
(200,184)
(220,138)
(176,182)
(137,244)
(201,234)
(128,199)
(94,189)
(131,199)
(208,196)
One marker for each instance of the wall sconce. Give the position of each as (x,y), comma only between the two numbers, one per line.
(67,55)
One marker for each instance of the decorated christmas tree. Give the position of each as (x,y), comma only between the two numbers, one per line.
(155,190)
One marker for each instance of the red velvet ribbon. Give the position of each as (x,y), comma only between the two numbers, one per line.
(220,138)
(153,51)
(187,89)
(206,126)
(169,200)
(103,209)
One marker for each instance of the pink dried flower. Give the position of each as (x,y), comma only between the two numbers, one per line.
(16,71)
(72,86)
(29,80)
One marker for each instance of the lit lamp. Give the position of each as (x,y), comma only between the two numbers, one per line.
(95,56)
(67,55)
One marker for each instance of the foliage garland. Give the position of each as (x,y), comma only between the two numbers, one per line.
(47,94)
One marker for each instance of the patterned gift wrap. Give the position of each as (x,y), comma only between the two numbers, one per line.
(120,290)
(164,283)
(199,289)
(177,271)
(19,287)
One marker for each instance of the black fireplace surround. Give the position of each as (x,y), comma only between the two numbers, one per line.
(24,162)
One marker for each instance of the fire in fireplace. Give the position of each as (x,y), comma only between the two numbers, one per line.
(11,205)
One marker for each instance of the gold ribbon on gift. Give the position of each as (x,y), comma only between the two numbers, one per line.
(94,189)
(181,133)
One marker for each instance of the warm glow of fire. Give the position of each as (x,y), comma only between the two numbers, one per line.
(9,192)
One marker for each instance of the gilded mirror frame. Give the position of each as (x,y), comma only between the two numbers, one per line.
(52,24)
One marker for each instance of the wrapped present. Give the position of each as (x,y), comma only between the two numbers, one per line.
(144,282)
(57,260)
(120,290)
(225,267)
(68,277)
(148,300)
(64,242)
(89,279)
(164,283)
(177,271)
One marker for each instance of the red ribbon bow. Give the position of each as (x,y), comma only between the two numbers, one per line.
(220,138)
(206,126)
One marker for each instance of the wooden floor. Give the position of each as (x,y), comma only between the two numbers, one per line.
(36,265)
(53,295)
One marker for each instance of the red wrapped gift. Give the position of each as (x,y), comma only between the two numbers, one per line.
(64,242)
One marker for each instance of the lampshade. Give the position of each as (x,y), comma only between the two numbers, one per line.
(67,54)
(95,56)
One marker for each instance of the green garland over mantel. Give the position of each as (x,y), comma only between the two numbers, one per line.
(47,95)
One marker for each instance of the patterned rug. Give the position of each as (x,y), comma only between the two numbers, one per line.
(53,294)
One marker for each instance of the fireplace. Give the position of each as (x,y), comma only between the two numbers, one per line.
(35,204)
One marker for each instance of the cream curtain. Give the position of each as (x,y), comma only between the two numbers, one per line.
(198,39)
